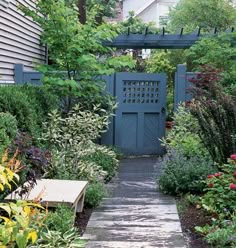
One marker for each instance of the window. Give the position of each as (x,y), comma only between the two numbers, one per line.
(163,20)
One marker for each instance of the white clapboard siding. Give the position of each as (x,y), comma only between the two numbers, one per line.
(19,39)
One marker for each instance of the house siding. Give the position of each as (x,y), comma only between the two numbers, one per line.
(19,39)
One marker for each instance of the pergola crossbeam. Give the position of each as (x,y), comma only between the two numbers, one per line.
(162,40)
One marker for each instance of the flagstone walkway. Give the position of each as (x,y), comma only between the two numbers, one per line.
(135,215)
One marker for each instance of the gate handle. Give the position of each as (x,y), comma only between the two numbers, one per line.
(163,110)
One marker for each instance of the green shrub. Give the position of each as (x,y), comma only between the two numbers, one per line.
(184,136)
(105,158)
(28,104)
(94,194)
(221,233)
(182,175)
(220,188)
(8,130)
(71,139)
(62,219)
(215,112)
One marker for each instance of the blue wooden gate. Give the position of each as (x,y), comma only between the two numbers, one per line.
(139,122)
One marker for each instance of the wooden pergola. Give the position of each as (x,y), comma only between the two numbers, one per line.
(162,40)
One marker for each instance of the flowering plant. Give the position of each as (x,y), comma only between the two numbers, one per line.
(220,197)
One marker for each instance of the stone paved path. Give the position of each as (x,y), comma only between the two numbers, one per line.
(135,215)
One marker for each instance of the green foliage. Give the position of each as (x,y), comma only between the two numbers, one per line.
(183,175)
(76,49)
(215,112)
(79,126)
(160,62)
(8,130)
(21,225)
(217,51)
(221,233)
(72,141)
(56,239)
(220,196)
(184,136)
(28,104)
(200,13)
(106,159)
(94,194)
(14,101)
(61,220)
(106,8)
(136,24)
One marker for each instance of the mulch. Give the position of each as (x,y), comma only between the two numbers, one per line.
(82,219)
(190,218)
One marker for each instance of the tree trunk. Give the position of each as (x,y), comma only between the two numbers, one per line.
(82,11)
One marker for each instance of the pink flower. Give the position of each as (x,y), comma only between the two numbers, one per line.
(234,173)
(210,176)
(210,185)
(232,186)
(233,157)
(218,174)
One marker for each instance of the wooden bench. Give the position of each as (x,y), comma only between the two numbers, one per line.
(53,192)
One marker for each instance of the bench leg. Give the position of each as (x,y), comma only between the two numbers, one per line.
(80,204)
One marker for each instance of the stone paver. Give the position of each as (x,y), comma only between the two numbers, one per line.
(135,215)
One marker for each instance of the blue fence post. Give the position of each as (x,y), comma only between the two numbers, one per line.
(180,85)
(19,73)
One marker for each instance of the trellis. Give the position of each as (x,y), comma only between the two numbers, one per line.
(162,40)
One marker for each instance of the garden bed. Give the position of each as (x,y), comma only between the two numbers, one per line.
(190,217)
(82,219)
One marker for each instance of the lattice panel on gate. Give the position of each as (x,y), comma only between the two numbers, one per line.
(140,92)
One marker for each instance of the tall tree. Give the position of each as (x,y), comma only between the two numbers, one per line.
(207,14)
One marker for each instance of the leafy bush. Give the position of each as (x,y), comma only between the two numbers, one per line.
(28,104)
(104,158)
(8,130)
(94,194)
(21,225)
(219,201)
(184,136)
(36,159)
(55,222)
(20,220)
(71,139)
(182,175)
(215,112)
(221,233)
(220,196)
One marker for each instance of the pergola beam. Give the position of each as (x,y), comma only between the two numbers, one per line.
(153,41)
(162,40)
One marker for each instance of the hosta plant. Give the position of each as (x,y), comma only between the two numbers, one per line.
(20,224)
(56,239)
